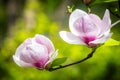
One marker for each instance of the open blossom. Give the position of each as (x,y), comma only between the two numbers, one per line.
(87,29)
(36,52)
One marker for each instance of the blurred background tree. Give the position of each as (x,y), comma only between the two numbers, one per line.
(20,19)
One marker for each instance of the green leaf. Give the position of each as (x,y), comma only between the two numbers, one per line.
(103,1)
(58,61)
(111,42)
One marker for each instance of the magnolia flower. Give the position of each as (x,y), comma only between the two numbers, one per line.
(36,52)
(87,29)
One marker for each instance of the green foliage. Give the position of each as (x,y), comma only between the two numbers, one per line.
(112,42)
(51,5)
(103,1)
(58,61)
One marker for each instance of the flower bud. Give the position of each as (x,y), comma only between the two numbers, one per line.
(87,1)
(35,52)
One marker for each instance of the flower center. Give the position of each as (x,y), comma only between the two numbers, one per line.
(88,39)
(41,64)
(38,65)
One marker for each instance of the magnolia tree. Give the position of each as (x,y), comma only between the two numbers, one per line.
(86,28)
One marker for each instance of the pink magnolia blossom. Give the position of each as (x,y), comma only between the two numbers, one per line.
(36,52)
(87,29)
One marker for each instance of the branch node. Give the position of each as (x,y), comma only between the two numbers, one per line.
(77,62)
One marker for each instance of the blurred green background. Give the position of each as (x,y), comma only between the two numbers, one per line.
(20,19)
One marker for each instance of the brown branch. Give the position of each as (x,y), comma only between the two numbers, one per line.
(77,62)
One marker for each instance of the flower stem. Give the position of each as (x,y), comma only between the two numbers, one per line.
(77,62)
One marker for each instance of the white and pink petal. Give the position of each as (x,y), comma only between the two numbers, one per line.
(101,40)
(40,39)
(22,46)
(75,15)
(106,22)
(21,63)
(70,38)
(89,27)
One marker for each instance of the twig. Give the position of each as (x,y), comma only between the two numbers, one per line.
(77,62)
(115,23)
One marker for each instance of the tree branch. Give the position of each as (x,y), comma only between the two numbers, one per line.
(77,62)
(115,23)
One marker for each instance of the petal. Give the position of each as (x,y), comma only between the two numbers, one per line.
(22,46)
(106,22)
(70,38)
(76,14)
(105,33)
(52,57)
(45,41)
(40,53)
(89,27)
(96,19)
(102,39)
(26,56)
(21,63)
(106,17)
(34,53)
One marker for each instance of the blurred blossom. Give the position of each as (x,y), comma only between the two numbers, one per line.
(87,1)
(36,52)
(87,29)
